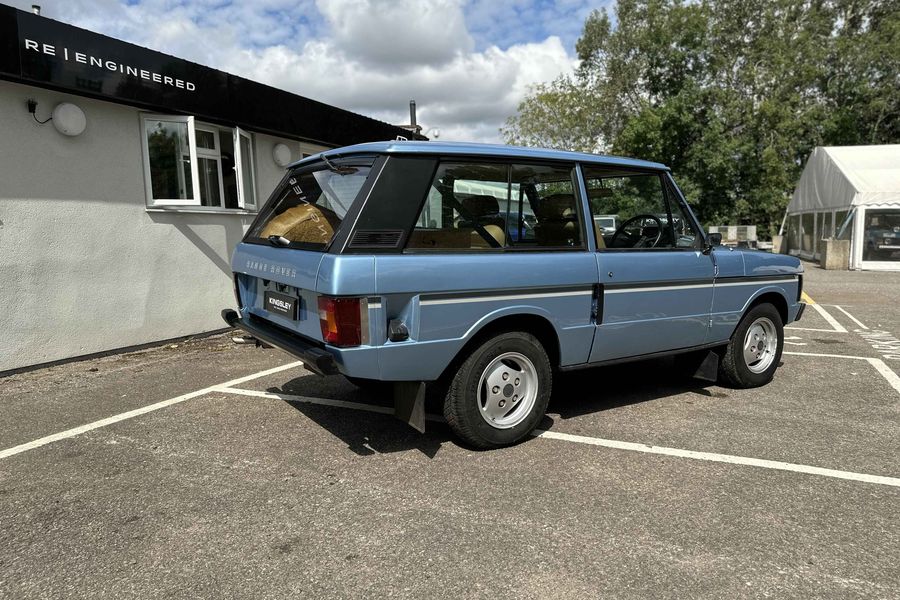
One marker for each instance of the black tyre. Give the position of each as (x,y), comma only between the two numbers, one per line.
(754,351)
(499,394)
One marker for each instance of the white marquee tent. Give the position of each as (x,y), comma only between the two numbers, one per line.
(849,192)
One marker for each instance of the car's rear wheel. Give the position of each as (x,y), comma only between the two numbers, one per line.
(500,392)
(754,351)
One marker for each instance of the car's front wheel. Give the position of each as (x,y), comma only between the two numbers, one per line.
(500,392)
(754,351)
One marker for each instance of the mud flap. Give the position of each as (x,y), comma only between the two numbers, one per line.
(709,368)
(409,403)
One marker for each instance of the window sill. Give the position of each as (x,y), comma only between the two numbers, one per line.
(201,211)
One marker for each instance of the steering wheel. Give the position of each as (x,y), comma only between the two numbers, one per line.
(637,240)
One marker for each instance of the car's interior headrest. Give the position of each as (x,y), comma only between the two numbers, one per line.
(557,206)
(481,206)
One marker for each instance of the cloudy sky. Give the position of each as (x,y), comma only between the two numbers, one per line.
(467,63)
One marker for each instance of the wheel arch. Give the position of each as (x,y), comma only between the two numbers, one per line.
(774,296)
(530,321)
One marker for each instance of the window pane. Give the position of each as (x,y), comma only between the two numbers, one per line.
(247,172)
(806,224)
(206,139)
(793,232)
(170,160)
(229,172)
(629,210)
(680,233)
(839,217)
(544,211)
(465,208)
(882,235)
(208,172)
(310,206)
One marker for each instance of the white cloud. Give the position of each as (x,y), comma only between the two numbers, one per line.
(369,56)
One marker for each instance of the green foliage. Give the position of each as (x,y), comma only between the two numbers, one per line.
(733,95)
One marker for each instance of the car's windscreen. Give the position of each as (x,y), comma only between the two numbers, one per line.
(308,207)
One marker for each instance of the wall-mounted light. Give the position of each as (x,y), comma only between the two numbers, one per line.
(281,154)
(67,118)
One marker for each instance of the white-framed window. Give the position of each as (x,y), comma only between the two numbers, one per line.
(197,165)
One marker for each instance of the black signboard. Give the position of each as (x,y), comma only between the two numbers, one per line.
(51,54)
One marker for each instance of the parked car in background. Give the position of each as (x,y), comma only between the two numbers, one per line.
(606,223)
(395,262)
(520,228)
(882,236)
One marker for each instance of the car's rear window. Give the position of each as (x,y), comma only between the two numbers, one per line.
(309,205)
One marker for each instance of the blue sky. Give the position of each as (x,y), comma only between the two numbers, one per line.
(468,63)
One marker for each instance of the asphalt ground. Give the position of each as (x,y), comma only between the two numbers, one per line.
(156,474)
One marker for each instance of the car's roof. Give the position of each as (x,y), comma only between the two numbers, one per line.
(473,149)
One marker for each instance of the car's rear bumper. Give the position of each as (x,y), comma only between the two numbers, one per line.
(314,358)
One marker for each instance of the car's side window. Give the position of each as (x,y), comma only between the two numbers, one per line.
(543,210)
(631,211)
(483,206)
(463,208)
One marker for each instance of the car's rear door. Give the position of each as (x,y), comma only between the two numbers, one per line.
(656,284)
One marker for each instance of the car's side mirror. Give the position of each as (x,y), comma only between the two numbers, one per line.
(712,240)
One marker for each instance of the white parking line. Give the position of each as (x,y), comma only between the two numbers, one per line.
(385,410)
(136,412)
(827,316)
(886,372)
(566,437)
(851,317)
(722,458)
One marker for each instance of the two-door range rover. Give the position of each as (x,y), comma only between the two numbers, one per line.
(483,267)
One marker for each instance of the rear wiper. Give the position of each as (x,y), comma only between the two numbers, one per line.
(277,240)
(340,170)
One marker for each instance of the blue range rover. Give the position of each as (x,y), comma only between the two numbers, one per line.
(483,267)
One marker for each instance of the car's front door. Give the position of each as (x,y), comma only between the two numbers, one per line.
(656,284)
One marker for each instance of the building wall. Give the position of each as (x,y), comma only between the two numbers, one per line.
(84,267)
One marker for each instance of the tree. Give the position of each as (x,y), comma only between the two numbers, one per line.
(733,95)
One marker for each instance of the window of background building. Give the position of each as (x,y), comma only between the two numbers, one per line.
(197,164)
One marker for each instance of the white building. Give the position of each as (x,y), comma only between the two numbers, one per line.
(118,216)
(849,192)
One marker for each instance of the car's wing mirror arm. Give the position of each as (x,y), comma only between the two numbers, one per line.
(712,240)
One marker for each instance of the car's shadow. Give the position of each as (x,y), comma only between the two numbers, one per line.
(575,393)
(596,389)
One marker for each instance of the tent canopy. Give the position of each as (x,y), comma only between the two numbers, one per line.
(840,177)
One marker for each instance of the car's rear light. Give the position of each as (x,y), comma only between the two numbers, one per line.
(344,321)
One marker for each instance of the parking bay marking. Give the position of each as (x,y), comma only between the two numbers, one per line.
(136,412)
(227,387)
(851,317)
(892,378)
(592,441)
(722,458)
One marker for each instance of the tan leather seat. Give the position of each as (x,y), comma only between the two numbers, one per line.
(495,232)
(557,221)
(486,212)
(303,223)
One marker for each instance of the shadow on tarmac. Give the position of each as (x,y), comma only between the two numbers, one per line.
(575,394)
